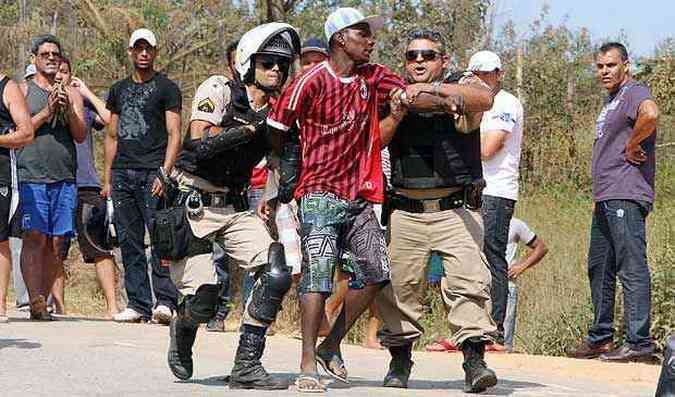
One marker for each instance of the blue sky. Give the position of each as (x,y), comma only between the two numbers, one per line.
(645,22)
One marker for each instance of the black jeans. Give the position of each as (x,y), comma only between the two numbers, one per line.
(134,207)
(619,247)
(497,213)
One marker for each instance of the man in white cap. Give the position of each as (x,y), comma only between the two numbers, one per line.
(501,132)
(143,141)
(337,106)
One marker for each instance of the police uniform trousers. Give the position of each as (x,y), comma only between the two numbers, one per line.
(455,235)
(242,236)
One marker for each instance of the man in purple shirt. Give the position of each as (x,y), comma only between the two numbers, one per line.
(623,168)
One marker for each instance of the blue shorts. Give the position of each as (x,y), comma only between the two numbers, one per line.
(48,207)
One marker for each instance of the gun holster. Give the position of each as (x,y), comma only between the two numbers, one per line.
(473,194)
(387,208)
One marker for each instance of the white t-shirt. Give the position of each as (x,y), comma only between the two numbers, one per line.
(501,171)
(519,232)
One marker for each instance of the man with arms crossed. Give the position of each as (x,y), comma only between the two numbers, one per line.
(144,136)
(437,179)
(623,169)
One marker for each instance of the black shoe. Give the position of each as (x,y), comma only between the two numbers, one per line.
(183,333)
(666,385)
(478,376)
(248,372)
(399,367)
(215,325)
(626,354)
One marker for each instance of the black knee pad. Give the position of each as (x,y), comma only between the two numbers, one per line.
(201,306)
(272,284)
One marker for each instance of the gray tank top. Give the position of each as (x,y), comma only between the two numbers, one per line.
(51,157)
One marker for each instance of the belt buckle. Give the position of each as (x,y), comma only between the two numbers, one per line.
(431,205)
(217,200)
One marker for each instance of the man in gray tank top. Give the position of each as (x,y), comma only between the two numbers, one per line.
(46,171)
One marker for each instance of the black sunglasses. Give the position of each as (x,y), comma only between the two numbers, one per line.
(427,55)
(48,54)
(268,61)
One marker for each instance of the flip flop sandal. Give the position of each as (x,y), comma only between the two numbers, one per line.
(309,383)
(435,347)
(333,365)
(441,345)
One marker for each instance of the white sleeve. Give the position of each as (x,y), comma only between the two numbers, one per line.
(522,231)
(211,99)
(503,115)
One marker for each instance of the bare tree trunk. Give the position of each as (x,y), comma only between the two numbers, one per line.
(519,73)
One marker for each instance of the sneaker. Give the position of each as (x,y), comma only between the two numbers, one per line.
(586,350)
(129,315)
(215,325)
(162,315)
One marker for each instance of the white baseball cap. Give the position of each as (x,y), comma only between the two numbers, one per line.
(484,61)
(346,16)
(142,34)
(29,72)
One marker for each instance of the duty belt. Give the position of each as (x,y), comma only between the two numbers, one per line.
(216,199)
(403,203)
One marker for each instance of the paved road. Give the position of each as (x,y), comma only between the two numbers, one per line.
(77,357)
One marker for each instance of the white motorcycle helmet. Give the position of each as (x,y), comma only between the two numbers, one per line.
(271,38)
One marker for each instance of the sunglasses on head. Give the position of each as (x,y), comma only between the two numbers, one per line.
(427,55)
(268,61)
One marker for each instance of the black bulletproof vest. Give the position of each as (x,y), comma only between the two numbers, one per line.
(428,152)
(231,168)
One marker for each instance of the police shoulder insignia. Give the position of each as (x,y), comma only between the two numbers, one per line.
(206,105)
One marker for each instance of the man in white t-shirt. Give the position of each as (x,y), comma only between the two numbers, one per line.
(519,232)
(501,131)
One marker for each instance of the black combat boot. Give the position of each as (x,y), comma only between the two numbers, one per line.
(248,372)
(666,385)
(478,376)
(183,331)
(399,366)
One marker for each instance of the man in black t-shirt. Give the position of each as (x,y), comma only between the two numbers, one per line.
(144,136)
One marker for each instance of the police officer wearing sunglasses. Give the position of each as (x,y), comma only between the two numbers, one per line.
(227,138)
(434,207)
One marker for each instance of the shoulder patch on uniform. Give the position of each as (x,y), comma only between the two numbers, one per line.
(206,105)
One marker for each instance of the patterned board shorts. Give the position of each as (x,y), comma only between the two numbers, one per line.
(329,226)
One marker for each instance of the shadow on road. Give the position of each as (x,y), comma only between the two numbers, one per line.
(222,380)
(505,387)
(19,344)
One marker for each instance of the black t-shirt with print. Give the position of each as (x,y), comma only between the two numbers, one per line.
(141,129)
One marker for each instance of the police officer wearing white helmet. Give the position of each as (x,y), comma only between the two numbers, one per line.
(227,138)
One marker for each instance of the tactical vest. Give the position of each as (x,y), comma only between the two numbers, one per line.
(428,152)
(231,168)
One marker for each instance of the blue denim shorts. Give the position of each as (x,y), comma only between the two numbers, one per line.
(48,207)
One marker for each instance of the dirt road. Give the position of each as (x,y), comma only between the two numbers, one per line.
(76,357)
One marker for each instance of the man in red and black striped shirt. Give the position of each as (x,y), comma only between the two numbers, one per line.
(337,104)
